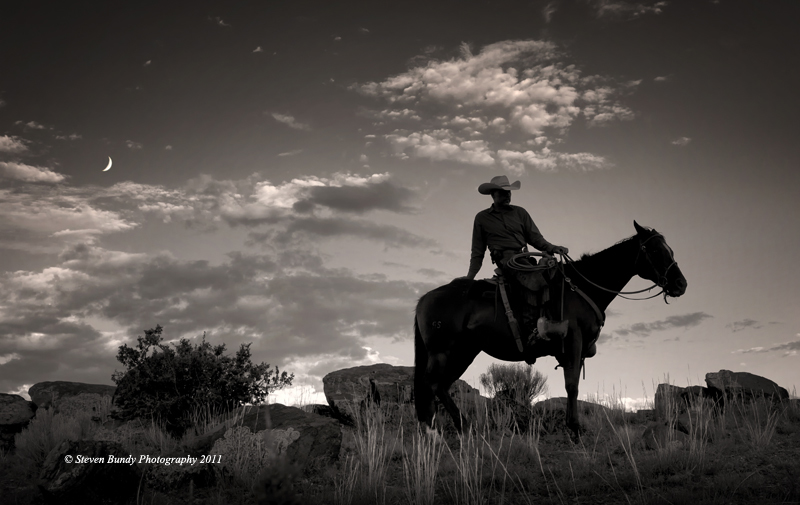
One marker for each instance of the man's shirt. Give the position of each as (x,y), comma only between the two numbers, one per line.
(501,230)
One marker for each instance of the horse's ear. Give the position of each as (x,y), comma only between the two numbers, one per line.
(639,229)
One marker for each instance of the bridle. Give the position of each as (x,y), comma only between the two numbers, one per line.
(662,279)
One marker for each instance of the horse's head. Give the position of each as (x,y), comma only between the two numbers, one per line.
(655,261)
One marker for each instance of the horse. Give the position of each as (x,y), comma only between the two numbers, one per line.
(455,322)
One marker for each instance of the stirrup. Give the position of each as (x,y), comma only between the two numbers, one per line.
(536,336)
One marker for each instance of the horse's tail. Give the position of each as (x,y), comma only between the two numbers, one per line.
(423,394)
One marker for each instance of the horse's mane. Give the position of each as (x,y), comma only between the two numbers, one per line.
(588,256)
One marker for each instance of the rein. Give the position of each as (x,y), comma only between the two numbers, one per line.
(662,279)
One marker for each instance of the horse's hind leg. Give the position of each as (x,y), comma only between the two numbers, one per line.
(447,368)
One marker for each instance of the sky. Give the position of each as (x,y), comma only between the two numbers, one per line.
(295,175)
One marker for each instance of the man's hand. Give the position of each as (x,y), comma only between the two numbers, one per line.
(560,250)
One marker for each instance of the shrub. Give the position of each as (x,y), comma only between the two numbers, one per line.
(518,382)
(167,384)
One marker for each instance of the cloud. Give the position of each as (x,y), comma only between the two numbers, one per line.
(661,79)
(168,148)
(681,141)
(44,218)
(309,228)
(291,153)
(549,161)
(147,63)
(290,121)
(626,9)
(431,272)
(744,323)
(363,30)
(33,125)
(12,145)
(219,21)
(549,10)
(2,103)
(789,348)
(337,39)
(8,357)
(133,145)
(266,299)
(258,50)
(378,195)
(680,321)
(73,136)
(469,108)
(29,173)
(440,145)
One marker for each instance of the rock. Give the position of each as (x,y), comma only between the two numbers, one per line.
(98,406)
(659,436)
(393,384)
(328,411)
(560,403)
(668,400)
(88,483)
(301,436)
(15,414)
(674,400)
(745,385)
(645,415)
(43,393)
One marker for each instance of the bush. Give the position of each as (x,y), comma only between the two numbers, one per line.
(517,382)
(166,384)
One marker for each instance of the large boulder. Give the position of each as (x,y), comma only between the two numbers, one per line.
(15,414)
(43,393)
(745,385)
(88,481)
(301,436)
(383,382)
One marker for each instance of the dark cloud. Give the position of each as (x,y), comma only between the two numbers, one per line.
(311,311)
(311,227)
(604,337)
(680,321)
(743,324)
(789,348)
(360,199)
(431,272)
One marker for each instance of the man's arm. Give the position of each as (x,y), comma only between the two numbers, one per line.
(478,250)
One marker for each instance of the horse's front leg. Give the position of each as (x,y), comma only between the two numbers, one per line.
(571,362)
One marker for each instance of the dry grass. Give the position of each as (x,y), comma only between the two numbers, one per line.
(746,454)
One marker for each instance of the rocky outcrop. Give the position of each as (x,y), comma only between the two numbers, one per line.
(301,436)
(389,383)
(88,482)
(745,385)
(15,414)
(43,393)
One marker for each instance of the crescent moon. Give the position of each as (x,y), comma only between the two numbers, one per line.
(109,164)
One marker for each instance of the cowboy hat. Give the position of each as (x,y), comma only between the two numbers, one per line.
(499,182)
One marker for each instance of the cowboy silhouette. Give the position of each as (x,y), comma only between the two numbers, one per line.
(507,230)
